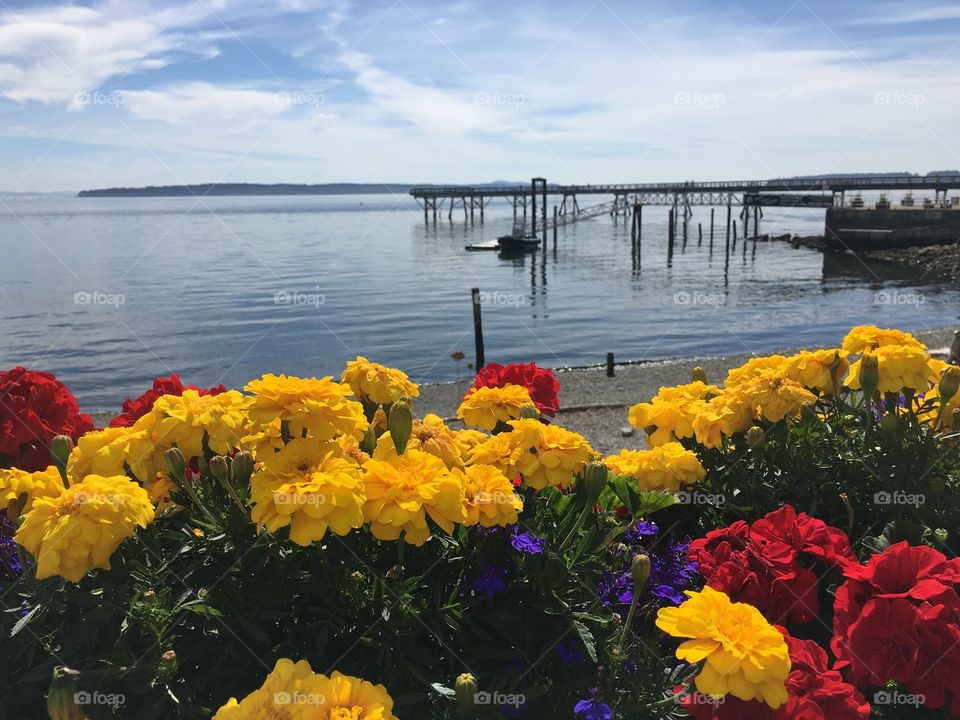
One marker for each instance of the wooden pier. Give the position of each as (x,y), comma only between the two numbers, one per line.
(621,199)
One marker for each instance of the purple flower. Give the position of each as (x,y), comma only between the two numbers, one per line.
(642,529)
(490,581)
(10,569)
(568,653)
(592,708)
(671,572)
(527,543)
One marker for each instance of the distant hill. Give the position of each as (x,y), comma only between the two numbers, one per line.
(209,189)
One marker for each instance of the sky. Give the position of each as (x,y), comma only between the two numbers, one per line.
(132,92)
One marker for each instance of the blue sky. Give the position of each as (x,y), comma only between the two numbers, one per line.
(129,92)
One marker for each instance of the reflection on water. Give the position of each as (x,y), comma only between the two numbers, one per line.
(109,293)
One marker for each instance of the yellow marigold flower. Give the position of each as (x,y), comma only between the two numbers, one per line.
(484,407)
(17,485)
(263,440)
(351,449)
(311,486)
(667,467)
(433,436)
(467,439)
(102,452)
(821,370)
(543,454)
(900,366)
(274,699)
(401,490)
(754,367)
(724,415)
(79,529)
(864,338)
(320,406)
(345,697)
(774,396)
(184,420)
(745,656)
(377,383)
(489,498)
(670,413)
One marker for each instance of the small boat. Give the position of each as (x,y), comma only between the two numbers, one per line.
(518,241)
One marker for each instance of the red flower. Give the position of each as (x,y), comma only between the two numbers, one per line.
(133,410)
(34,407)
(541,383)
(897,617)
(813,693)
(768,564)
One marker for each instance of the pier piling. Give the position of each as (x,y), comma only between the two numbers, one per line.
(699,234)
(609,364)
(711,226)
(477,327)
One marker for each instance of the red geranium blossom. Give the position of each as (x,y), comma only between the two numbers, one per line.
(541,383)
(813,693)
(133,410)
(768,564)
(897,617)
(34,407)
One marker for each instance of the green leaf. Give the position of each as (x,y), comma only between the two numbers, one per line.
(22,622)
(586,637)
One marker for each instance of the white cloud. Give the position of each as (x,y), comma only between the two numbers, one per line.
(205,102)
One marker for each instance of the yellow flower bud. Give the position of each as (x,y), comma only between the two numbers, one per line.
(400,423)
(594,480)
(60,447)
(699,374)
(219,468)
(176,465)
(869,373)
(466,688)
(949,383)
(61,697)
(755,437)
(640,570)
(243,465)
(529,410)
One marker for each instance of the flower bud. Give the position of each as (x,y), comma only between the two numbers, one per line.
(243,465)
(368,442)
(466,688)
(699,374)
(400,424)
(949,383)
(594,480)
(60,447)
(62,696)
(149,595)
(640,570)
(219,468)
(529,411)
(755,437)
(169,657)
(176,465)
(889,424)
(869,373)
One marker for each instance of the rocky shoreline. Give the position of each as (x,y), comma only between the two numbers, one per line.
(939,260)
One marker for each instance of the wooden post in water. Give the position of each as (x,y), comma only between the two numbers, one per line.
(543,217)
(756,222)
(670,233)
(483,204)
(727,250)
(533,207)
(477,327)
(711,226)
(700,233)
(554,227)
(609,364)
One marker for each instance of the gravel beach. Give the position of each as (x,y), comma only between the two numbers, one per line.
(596,406)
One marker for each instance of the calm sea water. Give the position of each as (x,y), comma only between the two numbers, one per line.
(109,293)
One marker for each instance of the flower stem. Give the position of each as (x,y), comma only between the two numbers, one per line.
(629,622)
